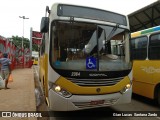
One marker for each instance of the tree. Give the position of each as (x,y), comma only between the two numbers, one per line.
(26,43)
(35,47)
(18,42)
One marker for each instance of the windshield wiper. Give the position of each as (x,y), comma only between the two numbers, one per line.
(112,32)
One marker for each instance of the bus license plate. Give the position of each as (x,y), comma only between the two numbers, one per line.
(97,102)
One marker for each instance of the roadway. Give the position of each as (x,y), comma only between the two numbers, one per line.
(139,105)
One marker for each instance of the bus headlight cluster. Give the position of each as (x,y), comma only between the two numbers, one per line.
(59,90)
(125,89)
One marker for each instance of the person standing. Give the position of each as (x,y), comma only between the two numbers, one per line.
(5,68)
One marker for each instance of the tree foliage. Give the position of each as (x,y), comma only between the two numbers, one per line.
(26,43)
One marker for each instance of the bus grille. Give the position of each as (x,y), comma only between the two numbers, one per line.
(96,82)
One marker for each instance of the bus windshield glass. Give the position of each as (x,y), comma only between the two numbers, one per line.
(88,47)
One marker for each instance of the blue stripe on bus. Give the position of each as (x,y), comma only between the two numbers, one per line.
(156,28)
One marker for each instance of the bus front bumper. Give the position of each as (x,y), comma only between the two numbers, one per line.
(79,102)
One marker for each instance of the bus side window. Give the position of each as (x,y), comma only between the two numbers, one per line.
(154,46)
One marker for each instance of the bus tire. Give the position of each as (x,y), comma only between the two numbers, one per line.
(158,96)
(44,92)
(43,85)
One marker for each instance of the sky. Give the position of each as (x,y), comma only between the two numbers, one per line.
(12,25)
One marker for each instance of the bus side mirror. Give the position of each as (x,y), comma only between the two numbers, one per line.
(44,25)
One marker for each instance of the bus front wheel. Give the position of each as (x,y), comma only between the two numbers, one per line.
(158,97)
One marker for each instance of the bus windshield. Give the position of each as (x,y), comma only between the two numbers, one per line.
(88,47)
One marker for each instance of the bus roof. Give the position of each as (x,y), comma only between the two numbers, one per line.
(146,31)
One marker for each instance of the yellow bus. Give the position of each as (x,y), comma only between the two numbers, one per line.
(35,56)
(35,60)
(84,58)
(145,53)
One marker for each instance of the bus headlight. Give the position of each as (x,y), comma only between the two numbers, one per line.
(59,90)
(125,89)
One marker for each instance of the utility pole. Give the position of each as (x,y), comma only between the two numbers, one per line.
(23,17)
